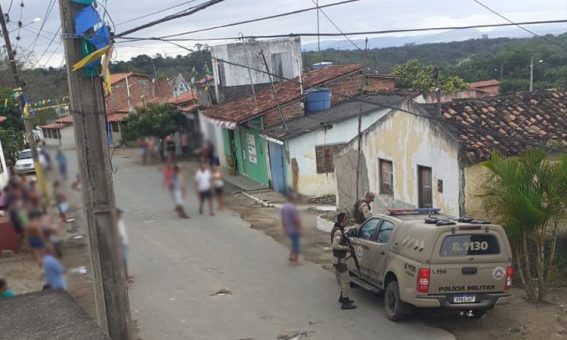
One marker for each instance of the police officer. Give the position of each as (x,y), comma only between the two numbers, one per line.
(340,249)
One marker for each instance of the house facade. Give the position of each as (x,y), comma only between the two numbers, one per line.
(238,128)
(231,81)
(414,157)
(310,142)
(407,159)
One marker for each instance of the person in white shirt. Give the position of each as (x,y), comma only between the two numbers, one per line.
(123,237)
(203,181)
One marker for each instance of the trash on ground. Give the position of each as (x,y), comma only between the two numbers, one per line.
(81,270)
(222,292)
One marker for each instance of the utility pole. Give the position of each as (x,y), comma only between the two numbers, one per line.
(27,124)
(88,110)
(273,89)
(318,34)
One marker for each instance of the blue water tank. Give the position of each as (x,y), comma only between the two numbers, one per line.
(317,100)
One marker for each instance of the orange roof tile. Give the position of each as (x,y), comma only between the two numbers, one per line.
(244,108)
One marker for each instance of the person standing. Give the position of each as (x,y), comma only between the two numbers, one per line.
(178,191)
(61,164)
(339,260)
(203,181)
(124,243)
(61,200)
(361,209)
(218,186)
(292,226)
(35,235)
(54,271)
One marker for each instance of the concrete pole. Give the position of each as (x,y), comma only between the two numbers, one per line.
(88,110)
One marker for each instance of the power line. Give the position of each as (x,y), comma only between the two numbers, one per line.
(309,34)
(519,25)
(154,13)
(258,19)
(48,11)
(338,28)
(48,46)
(172,17)
(10,7)
(530,140)
(19,24)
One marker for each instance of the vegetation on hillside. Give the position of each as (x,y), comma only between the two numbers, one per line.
(416,75)
(471,60)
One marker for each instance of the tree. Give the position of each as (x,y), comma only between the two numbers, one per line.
(12,142)
(416,75)
(154,120)
(528,196)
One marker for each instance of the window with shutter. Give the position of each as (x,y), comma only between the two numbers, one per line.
(324,157)
(386,170)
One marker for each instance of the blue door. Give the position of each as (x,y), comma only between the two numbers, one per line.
(277,167)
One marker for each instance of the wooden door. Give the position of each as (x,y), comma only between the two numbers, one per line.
(424,183)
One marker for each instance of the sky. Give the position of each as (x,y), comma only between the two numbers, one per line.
(363,15)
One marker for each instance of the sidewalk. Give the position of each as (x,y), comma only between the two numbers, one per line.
(266,197)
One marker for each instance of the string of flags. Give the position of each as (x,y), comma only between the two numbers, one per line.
(96,43)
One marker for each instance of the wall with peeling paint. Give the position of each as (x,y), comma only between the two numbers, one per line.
(475,182)
(408,141)
(302,148)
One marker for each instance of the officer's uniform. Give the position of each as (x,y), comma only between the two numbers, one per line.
(340,250)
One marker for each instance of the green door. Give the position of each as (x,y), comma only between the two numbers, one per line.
(253,151)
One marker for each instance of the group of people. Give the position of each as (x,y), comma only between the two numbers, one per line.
(36,230)
(209,184)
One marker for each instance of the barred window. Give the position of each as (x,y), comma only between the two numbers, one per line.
(324,157)
(386,177)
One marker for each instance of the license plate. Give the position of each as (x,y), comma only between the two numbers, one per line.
(464,299)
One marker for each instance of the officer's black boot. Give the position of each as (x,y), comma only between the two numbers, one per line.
(347,304)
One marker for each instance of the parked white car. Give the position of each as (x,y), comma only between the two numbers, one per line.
(24,163)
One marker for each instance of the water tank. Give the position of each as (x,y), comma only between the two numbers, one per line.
(321,65)
(317,100)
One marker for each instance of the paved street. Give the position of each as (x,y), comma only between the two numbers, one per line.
(178,265)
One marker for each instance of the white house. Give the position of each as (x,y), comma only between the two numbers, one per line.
(311,141)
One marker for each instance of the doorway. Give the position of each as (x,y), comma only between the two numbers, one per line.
(424,186)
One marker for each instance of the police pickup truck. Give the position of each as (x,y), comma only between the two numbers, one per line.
(427,261)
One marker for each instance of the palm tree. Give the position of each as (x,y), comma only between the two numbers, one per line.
(528,196)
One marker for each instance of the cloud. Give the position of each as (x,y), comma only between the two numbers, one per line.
(358,16)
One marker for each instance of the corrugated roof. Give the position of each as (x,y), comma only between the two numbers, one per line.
(510,124)
(244,108)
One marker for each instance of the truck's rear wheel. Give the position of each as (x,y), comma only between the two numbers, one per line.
(396,309)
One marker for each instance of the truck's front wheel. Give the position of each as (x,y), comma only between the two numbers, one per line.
(396,309)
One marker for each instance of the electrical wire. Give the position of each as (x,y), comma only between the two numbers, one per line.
(48,46)
(519,25)
(48,11)
(154,13)
(191,11)
(309,34)
(52,54)
(279,15)
(10,6)
(530,141)
(18,37)
(338,28)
